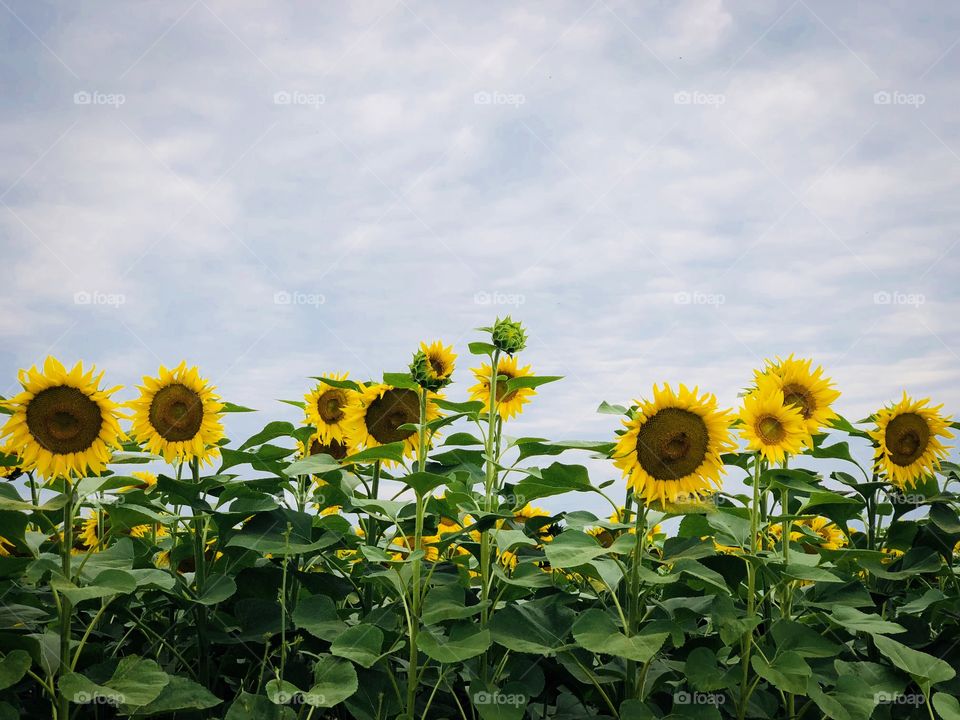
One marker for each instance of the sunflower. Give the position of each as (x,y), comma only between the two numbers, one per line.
(9,470)
(831,536)
(671,448)
(5,547)
(508,403)
(144,531)
(377,414)
(94,529)
(336,449)
(806,388)
(907,437)
(771,426)
(326,407)
(62,424)
(147,481)
(432,365)
(178,416)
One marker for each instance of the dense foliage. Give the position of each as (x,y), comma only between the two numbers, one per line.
(387,558)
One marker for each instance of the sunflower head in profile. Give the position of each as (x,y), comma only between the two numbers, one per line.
(178,416)
(769,424)
(829,536)
(62,424)
(509,403)
(907,436)
(432,365)
(379,413)
(806,388)
(338,450)
(93,530)
(671,448)
(147,479)
(10,471)
(326,409)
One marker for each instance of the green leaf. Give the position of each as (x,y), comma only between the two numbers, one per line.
(851,699)
(572,548)
(554,480)
(342,384)
(179,694)
(424,482)
(529,381)
(272,431)
(539,626)
(13,667)
(925,669)
(596,631)
(229,407)
(217,589)
(853,620)
(447,602)
(257,707)
(702,671)
(106,584)
(803,640)
(335,679)
(788,671)
(400,380)
(318,616)
(701,572)
(360,643)
(481,348)
(390,451)
(135,682)
(608,409)
(947,706)
(313,465)
(464,642)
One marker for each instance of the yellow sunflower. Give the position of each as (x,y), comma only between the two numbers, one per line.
(377,413)
(908,440)
(831,536)
(432,365)
(326,407)
(147,480)
(672,445)
(769,425)
(806,388)
(511,403)
(5,547)
(93,530)
(336,449)
(8,470)
(63,424)
(178,416)
(144,531)
(617,516)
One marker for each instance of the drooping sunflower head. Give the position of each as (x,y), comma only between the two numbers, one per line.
(806,388)
(62,424)
(93,530)
(770,425)
(326,409)
(830,536)
(10,471)
(432,365)
(379,414)
(672,445)
(509,403)
(178,416)
(338,450)
(147,480)
(908,440)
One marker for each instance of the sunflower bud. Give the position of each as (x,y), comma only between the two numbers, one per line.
(509,336)
(432,366)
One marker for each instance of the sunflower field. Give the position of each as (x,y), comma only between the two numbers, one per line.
(152,568)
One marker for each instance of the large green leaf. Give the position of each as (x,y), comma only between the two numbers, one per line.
(335,679)
(179,694)
(926,670)
(788,671)
(13,667)
(554,480)
(853,620)
(463,643)
(539,626)
(596,631)
(573,548)
(360,643)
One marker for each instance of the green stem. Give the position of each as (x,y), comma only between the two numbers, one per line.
(633,598)
(66,607)
(415,589)
(747,640)
(489,482)
(200,576)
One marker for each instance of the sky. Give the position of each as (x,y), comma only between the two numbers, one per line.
(661,192)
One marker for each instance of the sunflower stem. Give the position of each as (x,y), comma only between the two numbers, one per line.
(200,574)
(417,560)
(66,607)
(747,641)
(490,479)
(634,689)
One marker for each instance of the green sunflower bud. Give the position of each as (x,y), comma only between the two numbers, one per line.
(432,366)
(509,336)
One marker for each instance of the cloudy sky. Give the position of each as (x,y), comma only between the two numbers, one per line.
(661,191)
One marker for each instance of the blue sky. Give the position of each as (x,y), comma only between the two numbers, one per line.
(660,191)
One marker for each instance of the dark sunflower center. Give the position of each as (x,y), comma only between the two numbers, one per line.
(801,397)
(770,429)
(330,405)
(906,438)
(386,414)
(502,394)
(176,413)
(64,419)
(334,449)
(438,365)
(672,444)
